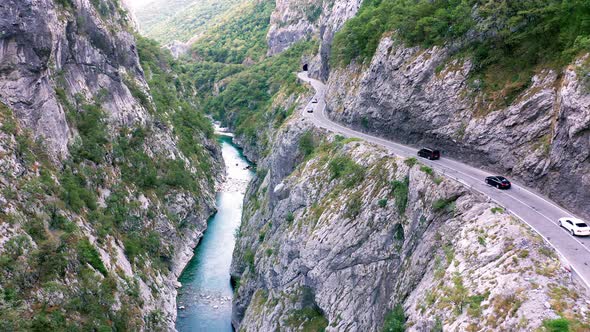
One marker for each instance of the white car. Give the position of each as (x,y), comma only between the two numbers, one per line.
(314,101)
(575,226)
(310,110)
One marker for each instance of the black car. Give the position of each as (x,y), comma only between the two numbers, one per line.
(499,182)
(429,153)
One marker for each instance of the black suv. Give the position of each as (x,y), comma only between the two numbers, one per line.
(499,182)
(429,154)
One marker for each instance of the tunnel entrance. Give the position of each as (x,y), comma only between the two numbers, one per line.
(305,67)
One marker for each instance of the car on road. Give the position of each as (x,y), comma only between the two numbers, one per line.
(575,226)
(309,110)
(314,101)
(429,153)
(499,182)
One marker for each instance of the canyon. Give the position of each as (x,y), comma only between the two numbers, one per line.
(110,165)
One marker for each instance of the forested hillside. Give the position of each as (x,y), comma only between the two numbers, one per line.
(167,21)
(240,37)
(235,80)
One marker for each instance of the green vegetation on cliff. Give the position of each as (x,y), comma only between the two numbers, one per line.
(53,277)
(506,40)
(523,29)
(395,321)
(174,102)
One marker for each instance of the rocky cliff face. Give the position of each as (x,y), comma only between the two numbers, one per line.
(336,233)
(426,97)
(100,206)
(429,96)
(47,44)
(293,21)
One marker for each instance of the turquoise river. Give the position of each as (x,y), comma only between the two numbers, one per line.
(204,300)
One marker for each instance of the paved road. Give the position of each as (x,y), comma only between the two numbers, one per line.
(538,212)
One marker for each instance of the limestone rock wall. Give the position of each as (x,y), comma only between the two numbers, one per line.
(425,97)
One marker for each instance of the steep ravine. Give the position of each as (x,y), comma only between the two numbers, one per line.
(336,235)
(204,299)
